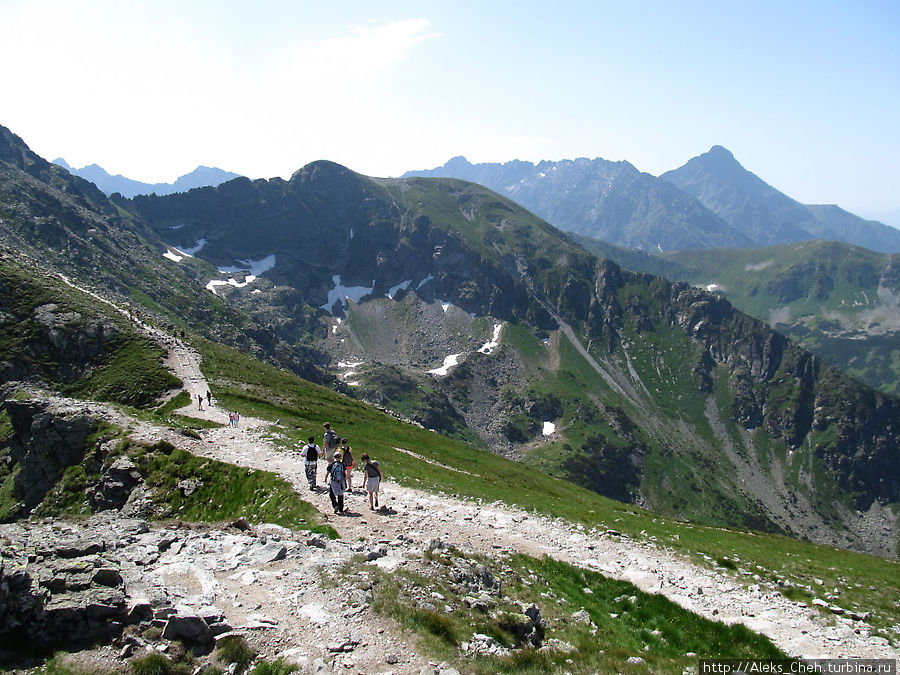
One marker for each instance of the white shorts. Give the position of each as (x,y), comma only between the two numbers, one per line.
(372,484)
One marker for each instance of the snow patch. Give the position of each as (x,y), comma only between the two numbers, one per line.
(494,342)
(712,288)
(172,256)
(404,285)
(211,286)
(449,362)
(192,251)
(341,293)
(253,267)
(425,281)
(445,305)
(549,428)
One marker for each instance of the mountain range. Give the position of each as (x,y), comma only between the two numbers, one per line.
(455,308)
(710,202)
(127,187)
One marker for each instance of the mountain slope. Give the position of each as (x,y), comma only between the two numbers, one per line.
(651,391)
(837,300)
(767,216)
(127,187)
(840,301)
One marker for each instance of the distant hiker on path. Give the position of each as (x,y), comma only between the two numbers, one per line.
(310,455)
(199,401)
(347,461)
(208,398)
(329,441)
(373,479)
(336,483)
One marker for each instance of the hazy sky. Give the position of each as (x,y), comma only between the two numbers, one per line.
(805,94)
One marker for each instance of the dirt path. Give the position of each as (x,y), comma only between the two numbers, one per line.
(487,528)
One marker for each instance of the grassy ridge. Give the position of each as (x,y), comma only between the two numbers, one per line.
(594,624)
(301,407)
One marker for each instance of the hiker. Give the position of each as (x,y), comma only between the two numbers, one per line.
(237,417)
(373,479)
(310,455)
(329,440)
(336,483)
(199,401)
(347,461)
(208,398)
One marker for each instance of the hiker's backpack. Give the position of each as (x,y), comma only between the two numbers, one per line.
(311,453)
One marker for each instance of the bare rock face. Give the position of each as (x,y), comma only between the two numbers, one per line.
(58,589)
(44,445)
(115,486)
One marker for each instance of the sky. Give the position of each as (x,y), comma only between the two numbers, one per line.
(806,94)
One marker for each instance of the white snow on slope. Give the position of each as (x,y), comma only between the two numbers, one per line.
(494,342)
(549,428)
(253,267)
(341,293)
(395,289)
(449,362)
(192,251)
(176,254)
(211,286)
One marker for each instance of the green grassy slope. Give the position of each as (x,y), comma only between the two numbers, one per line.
(255,388)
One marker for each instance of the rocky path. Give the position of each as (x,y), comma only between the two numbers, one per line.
(415,516)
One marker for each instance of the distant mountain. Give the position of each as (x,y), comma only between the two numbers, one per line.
(715,203)
(767,216)
(838,300)
(202,176)
(612,201)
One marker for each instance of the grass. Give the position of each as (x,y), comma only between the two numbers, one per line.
(221,492)
(592,623)
(234,650)
(301,407)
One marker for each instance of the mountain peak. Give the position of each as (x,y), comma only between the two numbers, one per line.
(719,158)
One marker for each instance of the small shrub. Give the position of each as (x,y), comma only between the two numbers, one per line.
(278,667)
(157,664)
(235,649)
(437,624)
(153,634)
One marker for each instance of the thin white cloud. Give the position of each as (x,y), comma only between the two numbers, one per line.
(368,51)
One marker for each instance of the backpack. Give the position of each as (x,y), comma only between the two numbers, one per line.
(337,472)
(330,439)
(312,454)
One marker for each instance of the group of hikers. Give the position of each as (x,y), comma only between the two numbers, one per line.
(339,469)
(234,418)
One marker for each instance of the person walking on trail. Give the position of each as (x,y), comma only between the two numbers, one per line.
(208,398)
(199,401)
(336,483)
(310,455)
(373,479)
(330,441)
(347,461)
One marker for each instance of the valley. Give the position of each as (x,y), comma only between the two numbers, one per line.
(573,449)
